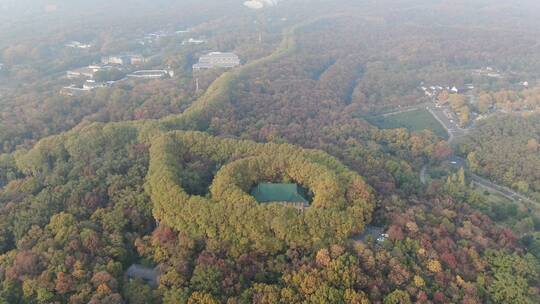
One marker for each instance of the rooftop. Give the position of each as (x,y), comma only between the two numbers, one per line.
(149,275)
(269,192)
(219,55)
(217,60)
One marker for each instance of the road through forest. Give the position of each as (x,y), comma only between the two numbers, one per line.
(455,132)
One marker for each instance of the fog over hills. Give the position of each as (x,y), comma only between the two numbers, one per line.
(258,4)
(269,151)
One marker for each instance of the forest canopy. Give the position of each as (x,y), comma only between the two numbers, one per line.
(153,176)
(232,215)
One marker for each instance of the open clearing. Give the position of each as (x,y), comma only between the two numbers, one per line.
(416,120)
(492,196)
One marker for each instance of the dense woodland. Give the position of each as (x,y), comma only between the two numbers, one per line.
(158,174)
(506,149)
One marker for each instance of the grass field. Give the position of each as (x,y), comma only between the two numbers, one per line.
(416,120)
(492,196)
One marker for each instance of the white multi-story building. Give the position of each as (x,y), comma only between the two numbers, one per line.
(217,60)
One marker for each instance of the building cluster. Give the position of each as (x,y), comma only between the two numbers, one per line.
(488,72)
(86,72)
(126,63)
(78,45)
(434,90)
(124,59)
(89,85)
(217,60)
(154,37)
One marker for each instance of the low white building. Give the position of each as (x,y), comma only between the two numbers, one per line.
(78,45)
(85,72)
(193,41)
(179,32)
(151,74)
(129,59)
(217,60)
(92,84)
(88,86)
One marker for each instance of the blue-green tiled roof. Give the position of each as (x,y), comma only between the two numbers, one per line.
(269,192)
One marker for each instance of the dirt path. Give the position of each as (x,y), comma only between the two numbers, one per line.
(423,174)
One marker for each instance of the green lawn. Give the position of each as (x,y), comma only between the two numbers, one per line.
(416,120)
(492,197)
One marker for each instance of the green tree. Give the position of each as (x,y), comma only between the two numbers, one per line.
(207,279)
(397,297)
(512,276)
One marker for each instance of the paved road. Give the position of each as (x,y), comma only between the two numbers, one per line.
(477,180)
(504,191)
(443,116)
(510,194)
(449,122)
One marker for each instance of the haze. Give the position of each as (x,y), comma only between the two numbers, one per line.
(262,151)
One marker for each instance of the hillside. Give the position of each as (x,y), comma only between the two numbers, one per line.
(140,191)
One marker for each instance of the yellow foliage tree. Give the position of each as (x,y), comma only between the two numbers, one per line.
(418,281)
(201,298)
(434,266)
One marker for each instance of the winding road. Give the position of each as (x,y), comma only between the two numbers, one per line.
(454,131)
(504,191)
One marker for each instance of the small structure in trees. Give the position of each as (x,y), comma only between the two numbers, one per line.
(147,274)
(284,194)
(371,232)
